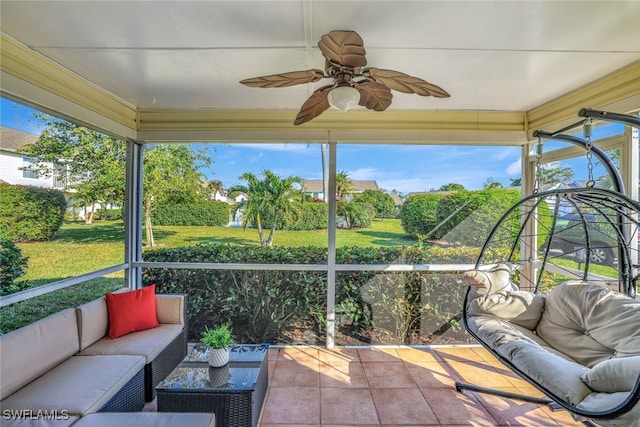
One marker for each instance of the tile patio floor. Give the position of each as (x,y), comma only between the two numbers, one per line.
(389,386)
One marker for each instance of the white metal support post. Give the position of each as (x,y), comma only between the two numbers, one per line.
(133,214)
(527,187)
(331,259)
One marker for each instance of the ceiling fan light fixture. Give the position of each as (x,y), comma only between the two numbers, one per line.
(344,98)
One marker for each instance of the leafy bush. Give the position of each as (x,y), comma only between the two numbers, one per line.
(263,305)
(12,266)
(471,215)
(384,205)
(110,214)
(310,216)
(356,214)
(206,212)
(418,214)
(30,214)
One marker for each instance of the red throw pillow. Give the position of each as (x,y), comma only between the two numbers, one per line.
(132,311)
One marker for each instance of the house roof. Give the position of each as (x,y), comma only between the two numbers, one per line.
(511,67)
(13,139)
(315,185)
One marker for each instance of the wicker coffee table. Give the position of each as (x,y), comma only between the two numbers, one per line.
(234,392)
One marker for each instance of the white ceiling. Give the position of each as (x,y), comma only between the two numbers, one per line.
(489,55)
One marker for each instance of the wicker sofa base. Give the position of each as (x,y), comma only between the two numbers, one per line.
(129,398)
(158,369)
(231,409)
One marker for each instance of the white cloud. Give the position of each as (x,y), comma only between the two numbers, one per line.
(514,168)
(364,173)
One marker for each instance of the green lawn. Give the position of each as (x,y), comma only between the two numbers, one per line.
(385,232)
(81,248)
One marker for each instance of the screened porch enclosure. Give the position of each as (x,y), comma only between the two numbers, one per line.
(142,83)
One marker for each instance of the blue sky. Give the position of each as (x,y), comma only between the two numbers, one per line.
(405,168)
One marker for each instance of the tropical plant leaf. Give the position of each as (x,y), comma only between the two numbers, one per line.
(343,47)
(374,96)
(314,106)
(285,79)
(405,83)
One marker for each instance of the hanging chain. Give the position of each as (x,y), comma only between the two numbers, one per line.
(586,131)
(536,185)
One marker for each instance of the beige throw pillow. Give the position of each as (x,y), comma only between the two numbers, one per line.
(613,375)
(487,282)
(520,307)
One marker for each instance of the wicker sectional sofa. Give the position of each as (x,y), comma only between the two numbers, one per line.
(66,365)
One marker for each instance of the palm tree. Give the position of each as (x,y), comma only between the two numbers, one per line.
(344,186)
(270,198)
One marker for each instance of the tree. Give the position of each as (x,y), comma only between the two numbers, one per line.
(553,173)
(452,186)
(382,202)
(171,171)
(91,164)
(344,186)
(270,197)
(490,184)
(550,173)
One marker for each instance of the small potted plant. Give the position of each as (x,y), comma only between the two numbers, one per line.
(218,340)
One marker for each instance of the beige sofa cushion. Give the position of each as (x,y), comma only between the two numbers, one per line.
(34,421)
(148,343)
(170,308)
(93,317)
(80,385)
(613,375)
(590,322)
(93,321)
(29,352)
(147,419)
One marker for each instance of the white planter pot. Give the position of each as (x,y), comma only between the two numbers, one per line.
(218,357)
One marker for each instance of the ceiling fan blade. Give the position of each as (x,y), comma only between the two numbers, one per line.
(314,106)
(343,47)
(374,96)
(285,79)
(405,83)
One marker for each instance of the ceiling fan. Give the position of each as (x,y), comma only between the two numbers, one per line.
(352,84)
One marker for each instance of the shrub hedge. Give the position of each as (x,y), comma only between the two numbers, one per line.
(110,214)
(382,202)
(206,212)
(263,305)
(30,214)
(12,266)
(418,213)
(474,214)
(310,216)
(464,217)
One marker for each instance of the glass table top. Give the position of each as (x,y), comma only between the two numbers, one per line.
(195,374)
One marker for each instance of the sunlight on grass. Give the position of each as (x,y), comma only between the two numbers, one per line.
(386,232)
(25,312)
(81,248)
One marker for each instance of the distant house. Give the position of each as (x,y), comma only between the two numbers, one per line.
(313,187)
(14,165)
